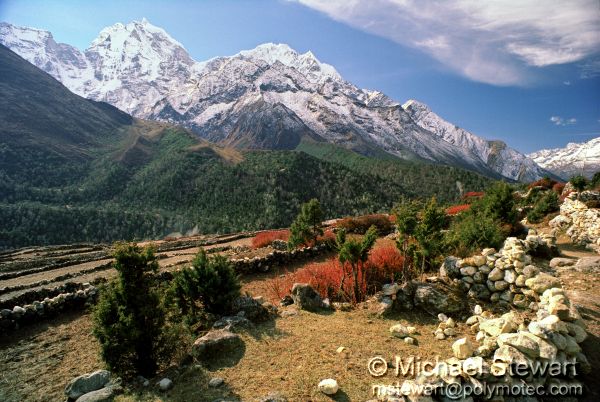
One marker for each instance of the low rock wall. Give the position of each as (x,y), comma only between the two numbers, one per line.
(580,218)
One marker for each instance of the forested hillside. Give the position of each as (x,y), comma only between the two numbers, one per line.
(75,170)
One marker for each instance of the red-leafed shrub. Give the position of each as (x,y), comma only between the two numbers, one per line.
(473,194)
(457,209)
(327,237)
(558,188)
(361,224)
(383,266)
(264,239)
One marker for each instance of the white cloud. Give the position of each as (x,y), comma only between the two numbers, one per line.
(487,41)
(559,121)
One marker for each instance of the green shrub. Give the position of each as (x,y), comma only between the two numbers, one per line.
(471,232)
(129,317)
(498,203)
(547,203)
(579,183)
(307,225)
(209,285)
(595,182)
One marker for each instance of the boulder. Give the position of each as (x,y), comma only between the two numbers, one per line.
(588,265)
(250,308)
(306,298)
(216,382)
(434,298)
(87,383)
(509,354)
(106,394)
(216,343)
(328,386)
(521,342)
(496,275)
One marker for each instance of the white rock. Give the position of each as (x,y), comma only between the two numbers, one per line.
(165,384)
(462,348)
(328,386)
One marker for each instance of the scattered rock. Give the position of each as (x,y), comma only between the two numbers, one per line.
(462,348)
(165,384)
(216,382)
(328,386)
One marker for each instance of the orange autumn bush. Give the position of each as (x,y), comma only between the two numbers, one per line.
(264,239)
(333,280)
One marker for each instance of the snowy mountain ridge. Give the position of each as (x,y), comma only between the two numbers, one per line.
(142,70)
(574,159)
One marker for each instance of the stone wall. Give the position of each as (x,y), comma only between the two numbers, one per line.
(19,315)
(41,304)
(506,277)
(277,258)
(580,218)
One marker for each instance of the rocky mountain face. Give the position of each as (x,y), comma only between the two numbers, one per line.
(484,154)
(574,159)
(270,97)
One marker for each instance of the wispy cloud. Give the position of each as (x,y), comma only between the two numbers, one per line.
(590,69)
(559,121)
(496,42)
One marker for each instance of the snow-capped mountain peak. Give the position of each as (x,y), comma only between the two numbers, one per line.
(271,90)
(116,35)
(575,158)
(306,63)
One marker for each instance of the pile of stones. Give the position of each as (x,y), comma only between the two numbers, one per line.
(550,339)
(580,219)
(506,277)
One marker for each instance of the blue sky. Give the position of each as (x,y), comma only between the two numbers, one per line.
(525,72)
